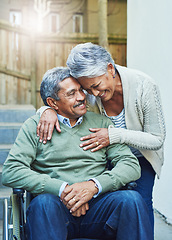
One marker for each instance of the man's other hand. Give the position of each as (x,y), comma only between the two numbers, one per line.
(81,210)
(77,194)
(46,125)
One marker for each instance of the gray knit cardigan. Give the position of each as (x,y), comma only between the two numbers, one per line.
(143,116)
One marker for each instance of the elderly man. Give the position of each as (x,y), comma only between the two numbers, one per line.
(74,194)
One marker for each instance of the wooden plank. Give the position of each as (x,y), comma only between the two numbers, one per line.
(8,27)
(49,55)
(33,73)
(9,90)
(28,95)
(25,55)
(41,63)
(15,90)
(124,55)
(79,38)
(22,92)
(14,73)
(2,89)
(18,52)
(67,48)
(116,52)
(11,43)
(3,48)
(59,53)
(18,92)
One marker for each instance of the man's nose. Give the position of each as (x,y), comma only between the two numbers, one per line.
(80,95)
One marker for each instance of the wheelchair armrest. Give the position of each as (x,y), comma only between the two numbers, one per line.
(18,190)
(20,193)
(129,186)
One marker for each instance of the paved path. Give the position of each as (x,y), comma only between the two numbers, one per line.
(163,231)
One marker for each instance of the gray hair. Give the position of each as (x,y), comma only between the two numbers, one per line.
(88,60)
(50,82)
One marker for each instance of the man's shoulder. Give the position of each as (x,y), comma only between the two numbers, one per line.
(33,120)
(96,117)
(91,115)
(29,127)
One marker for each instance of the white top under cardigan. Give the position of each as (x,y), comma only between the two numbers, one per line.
(143,116)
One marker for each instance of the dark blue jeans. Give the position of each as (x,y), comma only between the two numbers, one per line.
(145,185)
(120,215)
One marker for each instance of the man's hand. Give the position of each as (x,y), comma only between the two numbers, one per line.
(81,211)
(77,194)
(96,140)
(46,125)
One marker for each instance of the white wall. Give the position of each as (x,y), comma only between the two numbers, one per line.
(149,49)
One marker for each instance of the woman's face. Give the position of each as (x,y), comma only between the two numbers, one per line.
(102,86)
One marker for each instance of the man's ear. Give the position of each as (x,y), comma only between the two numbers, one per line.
(111,69)
(52,103)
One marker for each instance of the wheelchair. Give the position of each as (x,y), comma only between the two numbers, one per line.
(14,213)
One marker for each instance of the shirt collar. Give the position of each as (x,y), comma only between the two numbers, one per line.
(66,121)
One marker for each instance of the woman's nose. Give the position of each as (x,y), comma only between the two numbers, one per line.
(95,92)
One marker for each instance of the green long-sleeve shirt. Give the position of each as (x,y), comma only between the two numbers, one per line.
(40,168)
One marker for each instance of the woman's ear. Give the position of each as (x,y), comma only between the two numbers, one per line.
(52,103)
(111,69)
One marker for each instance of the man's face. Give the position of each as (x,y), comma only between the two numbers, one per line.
(72,103)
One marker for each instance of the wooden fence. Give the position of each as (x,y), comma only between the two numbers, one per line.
(25,57)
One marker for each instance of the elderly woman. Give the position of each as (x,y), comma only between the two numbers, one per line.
(130,99)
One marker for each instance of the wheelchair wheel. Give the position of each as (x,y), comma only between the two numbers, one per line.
(16,217)
(11,226)
(7,220)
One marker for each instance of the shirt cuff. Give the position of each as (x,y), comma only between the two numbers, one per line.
(98,185)
(62,188)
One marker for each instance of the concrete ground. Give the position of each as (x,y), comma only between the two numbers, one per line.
(163,231)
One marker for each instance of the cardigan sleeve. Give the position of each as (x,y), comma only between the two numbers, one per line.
(152,134)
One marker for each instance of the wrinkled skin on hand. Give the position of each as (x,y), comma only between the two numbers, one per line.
(76,196)
(81,211)
(97,140)
(46,125)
